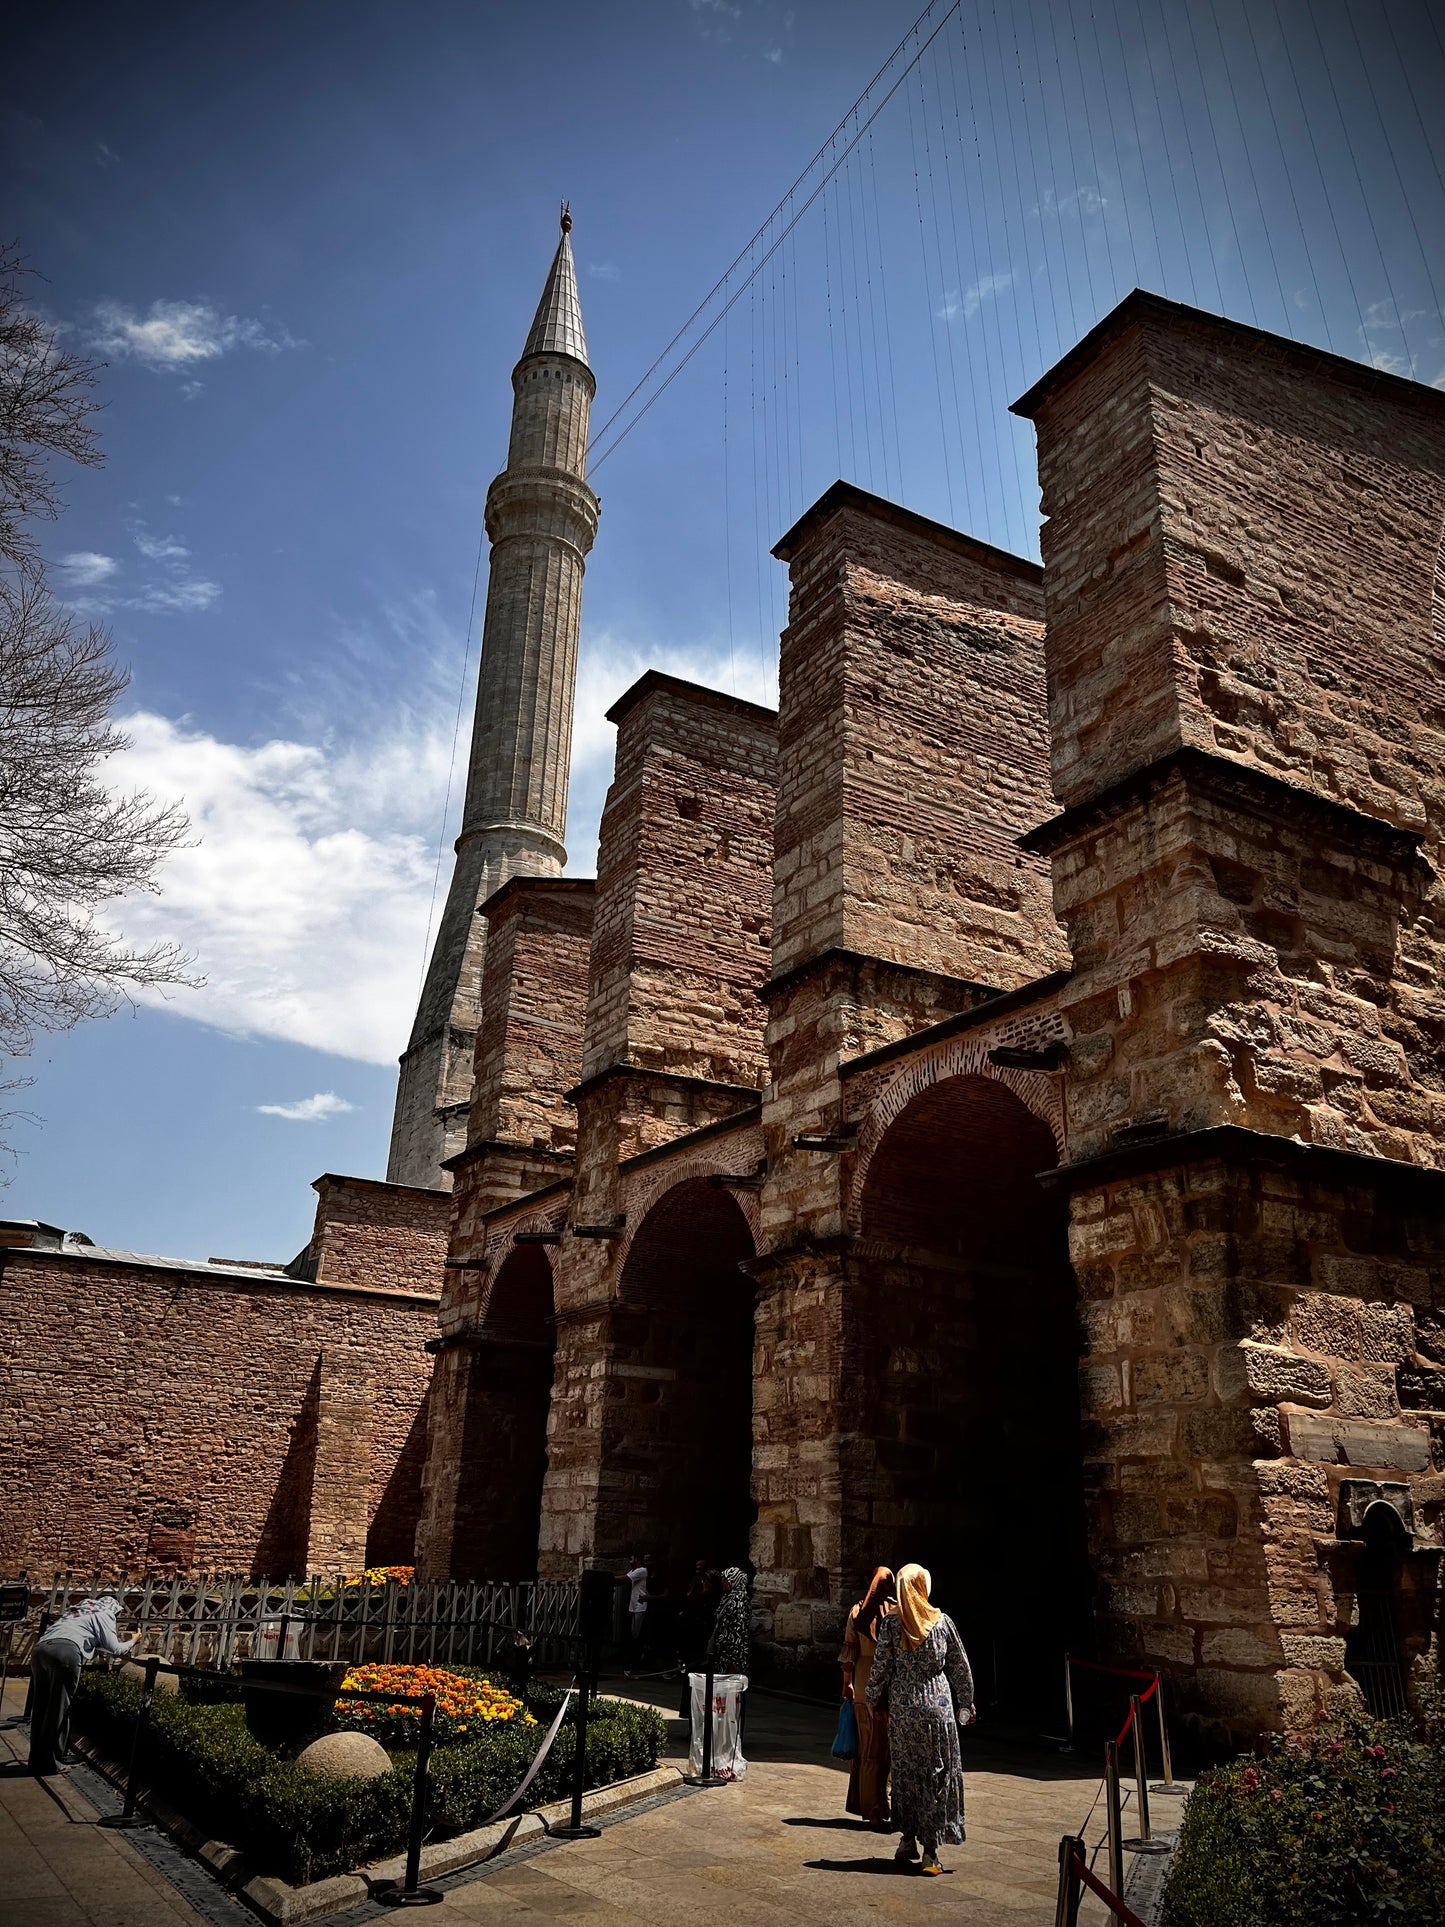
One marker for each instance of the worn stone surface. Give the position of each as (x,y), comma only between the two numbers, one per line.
(171,1418)
(345,1756)
(382,1237)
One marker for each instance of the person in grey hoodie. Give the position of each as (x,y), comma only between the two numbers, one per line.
(78,1636)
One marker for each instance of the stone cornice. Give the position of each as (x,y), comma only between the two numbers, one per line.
(1233,1144)
(826,959)
(508,1148)
(984,1013)
(610,1071)
(1255,789)
(678,1146)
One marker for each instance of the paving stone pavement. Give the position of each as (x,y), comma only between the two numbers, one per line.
(776,1849)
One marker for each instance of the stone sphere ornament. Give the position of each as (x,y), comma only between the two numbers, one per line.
(345,1756)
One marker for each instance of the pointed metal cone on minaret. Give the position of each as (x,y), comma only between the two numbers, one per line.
(557,328)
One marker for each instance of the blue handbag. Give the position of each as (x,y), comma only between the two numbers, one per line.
(845,1742)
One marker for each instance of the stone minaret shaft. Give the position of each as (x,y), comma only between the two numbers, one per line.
(541,518)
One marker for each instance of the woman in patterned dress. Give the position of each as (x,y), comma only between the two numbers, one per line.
(868,1774)
(922,1688)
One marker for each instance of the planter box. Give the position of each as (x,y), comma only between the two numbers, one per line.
(284,1905)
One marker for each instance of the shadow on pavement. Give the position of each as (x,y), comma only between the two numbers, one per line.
(900,1869)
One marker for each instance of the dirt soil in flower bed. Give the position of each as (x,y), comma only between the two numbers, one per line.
(198,1756)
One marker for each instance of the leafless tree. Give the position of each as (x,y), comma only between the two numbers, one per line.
(70,841)
(47,399)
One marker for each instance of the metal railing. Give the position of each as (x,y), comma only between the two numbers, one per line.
(215,1619)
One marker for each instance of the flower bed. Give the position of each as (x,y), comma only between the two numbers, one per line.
(199,1758)
(377,1576)
(466,1703)
(1343,1829)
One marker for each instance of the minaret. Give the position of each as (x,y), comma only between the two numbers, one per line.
(541,518)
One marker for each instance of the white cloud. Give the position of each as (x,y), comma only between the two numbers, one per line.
(86,570)
(972,299)
(775,54)
(183,595)
(179,334)
(603,270)
(309,1110)
(158,548)
(105,156)
(307,896)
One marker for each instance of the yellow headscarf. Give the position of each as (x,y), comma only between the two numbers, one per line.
(918,1617)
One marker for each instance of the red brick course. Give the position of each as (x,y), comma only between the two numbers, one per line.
(165,1416)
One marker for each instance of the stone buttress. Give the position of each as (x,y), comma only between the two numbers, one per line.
(1243,583)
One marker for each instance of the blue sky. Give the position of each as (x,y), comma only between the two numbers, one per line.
(308,241)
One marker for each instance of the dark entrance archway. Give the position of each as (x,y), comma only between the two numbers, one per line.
(678,1479)
(504,1449)
(968,1338)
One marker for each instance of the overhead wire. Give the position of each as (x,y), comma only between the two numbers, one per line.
(1246,8)
(813,196)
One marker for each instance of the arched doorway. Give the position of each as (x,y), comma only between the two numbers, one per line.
(504,1453)
(970,1343)
(680,1424)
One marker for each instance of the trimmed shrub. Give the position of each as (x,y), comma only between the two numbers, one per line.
(1343,1829)
(199,1757)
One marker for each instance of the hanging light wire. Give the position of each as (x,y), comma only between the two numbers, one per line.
(594,462)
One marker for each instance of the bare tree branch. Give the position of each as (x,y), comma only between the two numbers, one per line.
(70,842)
(47,400)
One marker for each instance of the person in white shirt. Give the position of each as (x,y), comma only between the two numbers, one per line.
(636,1577)
(77,1637)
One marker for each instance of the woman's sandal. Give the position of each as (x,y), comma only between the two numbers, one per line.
(906,1850)
(930,1865)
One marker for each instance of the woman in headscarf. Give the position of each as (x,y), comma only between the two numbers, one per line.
(868,1775)
(729,1642)
(922,1686)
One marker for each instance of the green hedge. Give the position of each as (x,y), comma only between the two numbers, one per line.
(1342,1830)
(199,1758)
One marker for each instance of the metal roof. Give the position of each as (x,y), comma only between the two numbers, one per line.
(557,329)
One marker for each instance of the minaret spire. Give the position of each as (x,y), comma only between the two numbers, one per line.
(541,517)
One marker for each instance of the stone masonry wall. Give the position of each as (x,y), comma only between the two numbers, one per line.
(1240,565)
(683,886)
(1246,640)
(157,1416)
(1261,1332)
(534,998)
(914,748)
(379,1237)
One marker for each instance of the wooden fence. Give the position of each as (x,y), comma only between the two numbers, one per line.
(215,1619)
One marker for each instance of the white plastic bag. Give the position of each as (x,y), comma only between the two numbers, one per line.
(727,1711)
(268,1640)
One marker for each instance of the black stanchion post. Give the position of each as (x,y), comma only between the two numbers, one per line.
(5,1667)
(1066,1909)
(128,1817)
(1145,1843)
(707,1777)
(1168,1784)
(575,1829)
(409,1894)
(1116,1818)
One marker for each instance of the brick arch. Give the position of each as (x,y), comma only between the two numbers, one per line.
(733,1161)
(550,1217)
(957,1057)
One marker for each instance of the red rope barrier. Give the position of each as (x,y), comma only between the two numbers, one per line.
(1149,1691)
(1117,1907)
